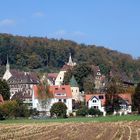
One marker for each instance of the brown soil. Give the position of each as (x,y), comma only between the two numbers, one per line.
(71,131)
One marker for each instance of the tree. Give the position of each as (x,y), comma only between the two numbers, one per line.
(44,93)
(136,99)
(58,109)
(80,72)
(89,84)
(13,109)
(114,87)
(4,90)
(34,61)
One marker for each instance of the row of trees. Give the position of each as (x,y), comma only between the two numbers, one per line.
(43,54)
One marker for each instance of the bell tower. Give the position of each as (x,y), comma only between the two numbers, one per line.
(7,73)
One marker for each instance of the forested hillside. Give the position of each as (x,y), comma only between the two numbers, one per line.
(43,54)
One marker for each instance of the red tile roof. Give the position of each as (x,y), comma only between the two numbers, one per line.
(63,91)
(126,97)
(90,96)
(60,92)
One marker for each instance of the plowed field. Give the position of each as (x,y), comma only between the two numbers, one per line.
(72,131)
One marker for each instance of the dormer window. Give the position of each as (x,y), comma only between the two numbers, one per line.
(101,97)
(60,94)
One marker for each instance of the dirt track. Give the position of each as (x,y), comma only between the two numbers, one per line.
(72,131)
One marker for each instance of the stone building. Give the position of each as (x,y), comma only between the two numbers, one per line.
(20,83)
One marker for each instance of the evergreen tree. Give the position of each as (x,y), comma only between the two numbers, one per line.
(4,90)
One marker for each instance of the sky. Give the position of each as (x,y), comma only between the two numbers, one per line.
(114,24)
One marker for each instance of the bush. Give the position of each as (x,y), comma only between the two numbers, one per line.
(82,111)
(8,109)
(59,110)
(34,112)
(93,111)
(13,109)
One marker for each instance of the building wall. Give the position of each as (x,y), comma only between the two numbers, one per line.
(7,75)
(48,104)
(96,102)
(25,88)
(75,93)
(60,78)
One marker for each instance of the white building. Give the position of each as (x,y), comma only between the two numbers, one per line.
(21,84)
(59,94)
(96,101)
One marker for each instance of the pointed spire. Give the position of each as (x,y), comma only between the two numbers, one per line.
(70,63)
(70,59)
(73,82)
(7,64)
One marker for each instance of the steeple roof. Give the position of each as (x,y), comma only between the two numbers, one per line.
(73,82)
(70,62)
(7,64)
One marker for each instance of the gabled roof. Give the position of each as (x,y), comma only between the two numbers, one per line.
(126,97)
(91,96)
(66,67)
(23,77)
(52,75)
(59,92)
(73,82)
(63,91)
(94,97)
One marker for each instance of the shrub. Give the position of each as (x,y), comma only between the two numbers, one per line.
(8,109)
(93,111)
(13,109)
(82,111)
(59,110)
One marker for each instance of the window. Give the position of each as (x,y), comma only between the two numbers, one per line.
(60,94)
(94,101)
(63,88)
(101,97)
(64,100)
(60,77)
(56,88)
(95,107)
(59,100)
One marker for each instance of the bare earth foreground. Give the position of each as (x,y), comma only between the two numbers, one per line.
(72,131)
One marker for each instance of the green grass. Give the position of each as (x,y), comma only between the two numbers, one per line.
(77,119)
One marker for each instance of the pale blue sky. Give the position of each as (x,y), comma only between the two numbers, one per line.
(114,24)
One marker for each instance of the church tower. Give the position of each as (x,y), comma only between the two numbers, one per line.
(7,73)
(70,63)
(7,64)
(74,89)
